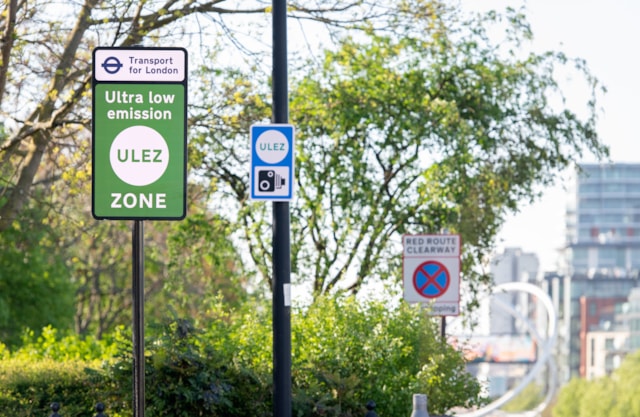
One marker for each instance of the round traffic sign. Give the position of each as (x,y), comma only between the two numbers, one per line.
(139,155)
(431,279)
(272,146)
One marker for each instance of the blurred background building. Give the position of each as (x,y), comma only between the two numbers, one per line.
(595,289)
(603,259)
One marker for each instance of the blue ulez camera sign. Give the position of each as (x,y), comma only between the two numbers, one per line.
(271,173)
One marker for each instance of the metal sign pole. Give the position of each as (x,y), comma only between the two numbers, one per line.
(281,231)
(138,318)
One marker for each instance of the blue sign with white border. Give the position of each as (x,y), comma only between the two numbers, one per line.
(271,172)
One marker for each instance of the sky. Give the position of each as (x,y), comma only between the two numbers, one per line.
(606,34)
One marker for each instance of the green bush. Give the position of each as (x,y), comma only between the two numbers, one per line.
(28,387)
(56,345)
(57,367)
(347,352)
(186,377)
(344,353)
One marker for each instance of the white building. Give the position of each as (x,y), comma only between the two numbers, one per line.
(605,352)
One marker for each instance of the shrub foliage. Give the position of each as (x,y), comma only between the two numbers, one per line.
(344,353)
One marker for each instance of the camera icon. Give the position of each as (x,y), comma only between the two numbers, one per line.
(269,181)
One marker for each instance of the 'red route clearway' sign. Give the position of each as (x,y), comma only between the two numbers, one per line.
(431,272)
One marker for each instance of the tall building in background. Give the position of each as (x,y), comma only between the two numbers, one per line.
(603,227)
(603,255)
(596,290)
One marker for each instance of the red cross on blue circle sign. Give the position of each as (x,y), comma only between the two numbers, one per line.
(431,279)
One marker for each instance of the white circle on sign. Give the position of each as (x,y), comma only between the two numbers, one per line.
(139,155)
(272,146)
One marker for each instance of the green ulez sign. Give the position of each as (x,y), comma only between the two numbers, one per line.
(139,134)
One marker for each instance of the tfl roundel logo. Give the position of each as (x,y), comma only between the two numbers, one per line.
(112,65)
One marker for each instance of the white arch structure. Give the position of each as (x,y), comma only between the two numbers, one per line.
(546,343)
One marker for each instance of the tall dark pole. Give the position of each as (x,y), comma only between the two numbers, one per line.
(281,231)
(138,318)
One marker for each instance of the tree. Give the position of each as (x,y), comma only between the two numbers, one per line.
(34,290)
(418,123)
(435,127)
(204,265)
(187,265)
(624,379)
(609,396)
(40,46)
(45,103)
(569,399)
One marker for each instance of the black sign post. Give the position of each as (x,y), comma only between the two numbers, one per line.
(281,231)
(138,318)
